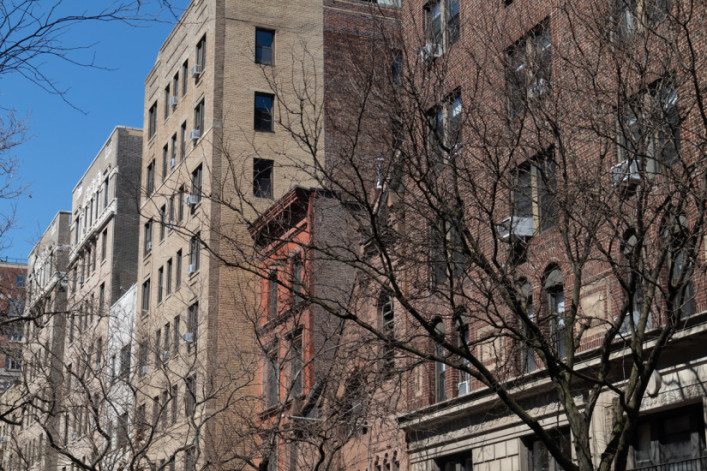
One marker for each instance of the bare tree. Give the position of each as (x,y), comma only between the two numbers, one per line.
(530,193)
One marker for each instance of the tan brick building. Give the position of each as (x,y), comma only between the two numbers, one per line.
(214,156)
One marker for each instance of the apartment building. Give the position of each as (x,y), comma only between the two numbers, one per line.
(36,389)
(214,157)
(102,269)
(13,278)
(507,287)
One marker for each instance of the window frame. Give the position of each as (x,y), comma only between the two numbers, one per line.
(262,58)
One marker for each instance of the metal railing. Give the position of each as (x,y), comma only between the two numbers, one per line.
(693,464)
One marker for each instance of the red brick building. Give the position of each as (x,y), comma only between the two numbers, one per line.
(13,276)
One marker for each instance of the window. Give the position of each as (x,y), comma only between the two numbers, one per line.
(185,77)
(537,456)
(193,323)
(297,278)
(463,386)
(177,335)
(165,160)
(148,237)
(160,284)
(152,120)
(183,143)
(263,112)
(163,221)
(175,87)
(529,67)
(171,212)
(104,244)
(387,320)
(272,381)
(637,15)
(173,154)
(168,286)
(649,133)
(440,366)
(199,118)
(167,338)
(533,194)
(194,254)
(178,271)
(181,202)
(20,281)
(123,432)
(556,311)
(442,24)
(101,297)
(196,182)
(262,178)
(142,358)
(460,462)
(444,138)
(447,259)
(201,55)
(125,360)
(264,39)
(175,409)
(150,178)
(635,282)
(190,396)
(167,96)
(670,437)
(146,296)
(190,459)
(296,372)
(272,295)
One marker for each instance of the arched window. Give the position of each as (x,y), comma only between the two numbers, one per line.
(556,309)
(440,367)
(387,322)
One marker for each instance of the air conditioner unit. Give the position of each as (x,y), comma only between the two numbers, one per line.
(463,388)
(192,200)
(172,162)
(190,269)
(165,355)
(170,225)
(515,227)
(195,134)
(148,246)
(173,101)
(626,172)
(430,51)
(4,439)
(97,366)
(188,337)
(64,283)
(73,435)
(80,278)
(143,369)
(196,70)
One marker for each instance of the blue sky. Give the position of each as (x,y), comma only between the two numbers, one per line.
(62,140)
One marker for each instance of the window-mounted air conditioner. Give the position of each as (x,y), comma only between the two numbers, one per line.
(172,162)
(196,70)
(148,246)
(165,355)
(463,388)
(188,337)
(143,369)
(190,269)
(173,101)
(192,200)
(195,134)
(626,172)
(515,227)
(430,51)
